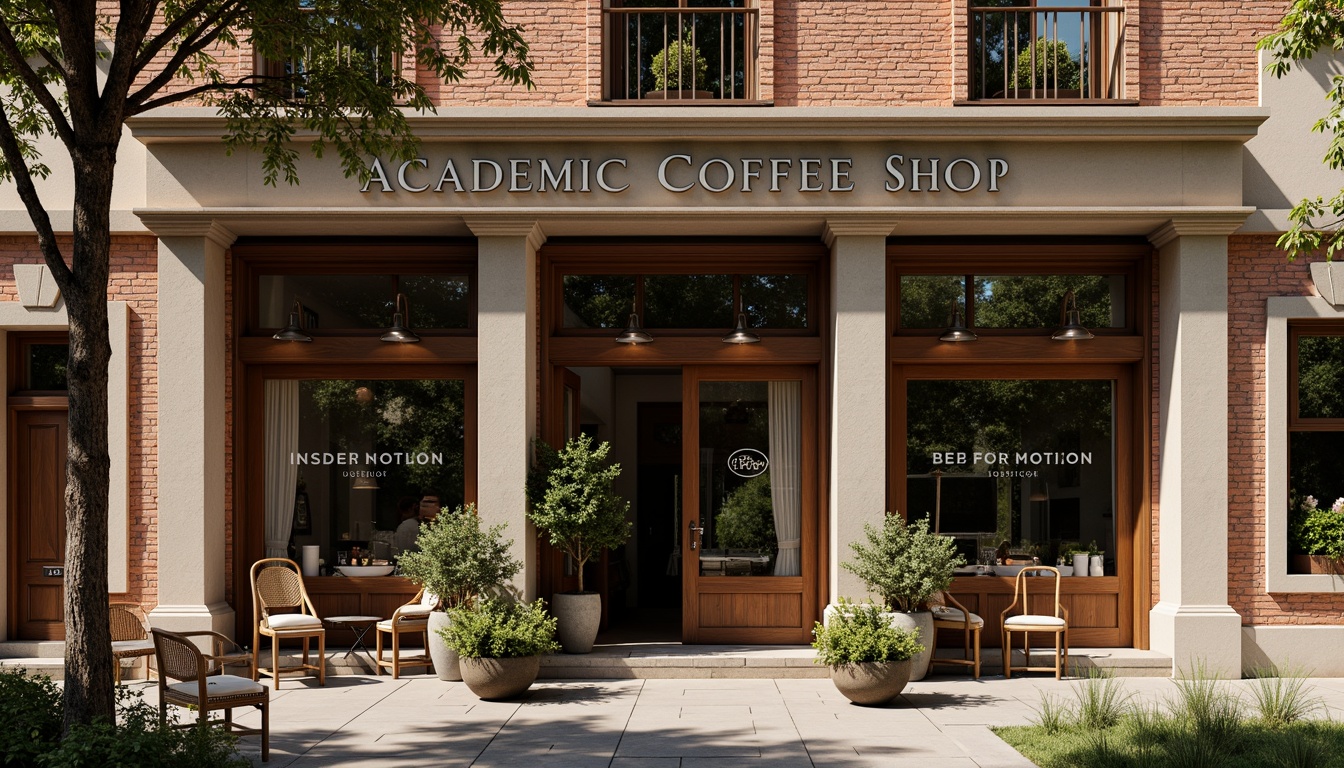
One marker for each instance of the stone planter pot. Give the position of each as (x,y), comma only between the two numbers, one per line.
(495,679)
(444,658)
(578,615)
(1080,565)
(921,622)
(1315,564)
(873,682)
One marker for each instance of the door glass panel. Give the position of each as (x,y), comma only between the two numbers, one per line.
(1014,468)
(46,367)
(750,478)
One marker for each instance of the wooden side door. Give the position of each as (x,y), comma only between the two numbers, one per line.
(749,511)
(37,449)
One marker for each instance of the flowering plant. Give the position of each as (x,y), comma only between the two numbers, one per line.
(1319,531)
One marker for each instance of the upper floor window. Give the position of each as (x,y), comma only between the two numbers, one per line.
(352,46)
(680,51)
(1055,50)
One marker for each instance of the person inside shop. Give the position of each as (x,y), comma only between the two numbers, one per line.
(409,530)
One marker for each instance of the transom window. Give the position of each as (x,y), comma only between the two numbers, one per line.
(691,301)
(1012,302)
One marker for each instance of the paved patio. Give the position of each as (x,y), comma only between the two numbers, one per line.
(942,722)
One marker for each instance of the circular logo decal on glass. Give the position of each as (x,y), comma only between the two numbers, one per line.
(748,462)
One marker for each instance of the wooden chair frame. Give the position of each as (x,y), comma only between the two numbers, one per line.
(1061,631)
(178,658)
(407,619)
(127,625)
(289,592)
(970,636)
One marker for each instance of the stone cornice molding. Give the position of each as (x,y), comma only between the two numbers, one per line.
(717,124)
(507,226)
(188,225)
(1207,224)
(857,226)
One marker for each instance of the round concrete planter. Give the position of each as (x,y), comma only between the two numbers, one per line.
(578,615)
(495,679)
(444,658)
(921,622)
(874,682)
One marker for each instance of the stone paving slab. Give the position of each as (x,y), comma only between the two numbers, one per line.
(940,722)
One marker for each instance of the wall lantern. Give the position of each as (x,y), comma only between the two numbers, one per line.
(633,333)
(398,332)
(1071,326)
(956,327)
(294,331)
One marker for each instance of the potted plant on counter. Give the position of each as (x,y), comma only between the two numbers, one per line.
(500,644)
(458,561)
(572,499)
(906,565)
(870,659)
(1317,537)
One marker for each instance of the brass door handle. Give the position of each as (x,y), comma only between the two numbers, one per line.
(697,532)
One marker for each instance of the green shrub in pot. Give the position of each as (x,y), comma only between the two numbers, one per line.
(500,644)
(870,659)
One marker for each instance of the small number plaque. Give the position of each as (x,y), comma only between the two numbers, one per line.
(53,570)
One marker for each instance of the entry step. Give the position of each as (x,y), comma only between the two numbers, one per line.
(32,649)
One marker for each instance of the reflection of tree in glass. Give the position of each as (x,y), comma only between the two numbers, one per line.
(1032,301)
(1320,377)
(927,299)
(688,301)
(775,301)
(747,518)
(405,416)
(1055,66)
(599,301)
(367,301)
(437,301)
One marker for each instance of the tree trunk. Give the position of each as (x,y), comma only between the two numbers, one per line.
(89,694)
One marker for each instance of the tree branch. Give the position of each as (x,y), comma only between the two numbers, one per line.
(173,98)
(170,32)
(133,22)
(192,46)
(9,47)
(46,235)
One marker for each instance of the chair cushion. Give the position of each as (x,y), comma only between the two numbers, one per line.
(416,611)
(405,623)
(294,621)
(219,685)
(949,614)
(1033,621)
(127,646)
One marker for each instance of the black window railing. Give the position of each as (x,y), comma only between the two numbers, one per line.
(1040,53)
(678,55)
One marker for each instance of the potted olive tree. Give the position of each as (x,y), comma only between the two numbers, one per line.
(500,644)
(572,499)
(679,71)
(869,658)
(458,561)
(906,565)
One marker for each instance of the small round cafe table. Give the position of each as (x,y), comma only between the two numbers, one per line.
(360,626)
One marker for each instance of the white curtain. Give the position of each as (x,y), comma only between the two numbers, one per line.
(786,482)
(282,476)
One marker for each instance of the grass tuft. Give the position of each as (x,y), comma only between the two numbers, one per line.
(1280,699)
(1102,701)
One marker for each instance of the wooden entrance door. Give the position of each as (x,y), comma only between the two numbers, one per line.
(37,502)
(749,454)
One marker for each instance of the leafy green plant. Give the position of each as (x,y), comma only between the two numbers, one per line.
(679,66)
(573,500)
(1316,531)
(1208,710)
(1053,715)
(30,717)
(1093,550)
(1102,701)
(1055,66)
(859,633)
(496,628)
(905,564)
(1280,699)
(459,559)
(747,519)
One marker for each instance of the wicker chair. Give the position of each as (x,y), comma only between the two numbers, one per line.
(130,637)
(277,584)
(411,618)
(1026,622)
(178,658)
(952,615)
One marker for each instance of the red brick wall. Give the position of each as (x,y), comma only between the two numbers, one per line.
(134,280)
(1202,52)
(1256,271)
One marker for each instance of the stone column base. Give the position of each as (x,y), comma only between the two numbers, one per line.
(217,617)
(1197,636)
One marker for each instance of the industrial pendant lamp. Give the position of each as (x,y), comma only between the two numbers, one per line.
(398,332)
(364,480)
(741,334)
(294,331)
(1071,326)
(956,327)
(633,333)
